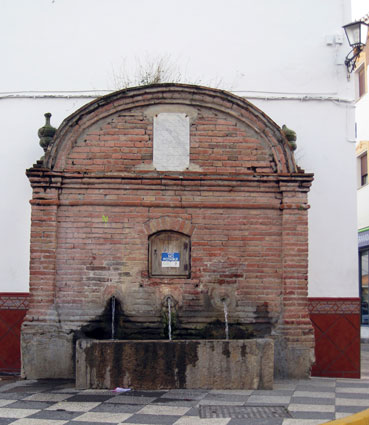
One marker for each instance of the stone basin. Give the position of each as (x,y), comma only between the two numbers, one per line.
(163,364)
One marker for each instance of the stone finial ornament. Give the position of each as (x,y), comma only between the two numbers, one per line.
(46,133)
(290,136)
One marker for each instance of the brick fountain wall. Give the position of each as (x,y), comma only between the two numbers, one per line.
(98,199)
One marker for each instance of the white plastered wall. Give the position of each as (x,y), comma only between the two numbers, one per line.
(324,147)
(19,150)
(246,44)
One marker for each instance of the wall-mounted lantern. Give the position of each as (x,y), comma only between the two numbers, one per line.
(356,33)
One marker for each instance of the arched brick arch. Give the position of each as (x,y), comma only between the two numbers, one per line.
(169,223)
(266,130)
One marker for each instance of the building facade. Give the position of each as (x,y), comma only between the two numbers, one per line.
(362,108)
(363,229)
(300,81)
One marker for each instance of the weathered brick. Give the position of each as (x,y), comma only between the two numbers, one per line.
(245,214)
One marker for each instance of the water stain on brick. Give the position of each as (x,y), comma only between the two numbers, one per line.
(127,329)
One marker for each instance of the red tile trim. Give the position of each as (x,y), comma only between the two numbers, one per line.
(13,308)
(334,305)
(336,323)
(14,300)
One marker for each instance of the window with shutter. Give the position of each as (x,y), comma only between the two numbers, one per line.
(361,78)
(364,169)
(169,254)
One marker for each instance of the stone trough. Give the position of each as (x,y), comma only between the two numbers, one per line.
(192,364)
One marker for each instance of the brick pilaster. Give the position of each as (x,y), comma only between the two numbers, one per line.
(295,328)
(43,248)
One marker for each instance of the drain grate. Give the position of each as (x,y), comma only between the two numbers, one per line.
(241,412)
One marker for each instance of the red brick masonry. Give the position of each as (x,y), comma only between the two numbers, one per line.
(97,199)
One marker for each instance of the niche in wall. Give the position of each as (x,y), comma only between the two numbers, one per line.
(169,254)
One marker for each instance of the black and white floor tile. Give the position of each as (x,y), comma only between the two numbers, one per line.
(307,402)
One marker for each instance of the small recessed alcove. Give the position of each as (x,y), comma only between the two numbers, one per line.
(169,254)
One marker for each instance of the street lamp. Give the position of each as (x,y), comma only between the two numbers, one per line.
(356,34)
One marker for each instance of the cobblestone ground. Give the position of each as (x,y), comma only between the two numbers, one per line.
(303,402)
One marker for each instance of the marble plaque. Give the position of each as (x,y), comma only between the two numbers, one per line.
(171,141)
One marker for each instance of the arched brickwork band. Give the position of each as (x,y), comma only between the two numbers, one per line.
(170,94)
(169,223)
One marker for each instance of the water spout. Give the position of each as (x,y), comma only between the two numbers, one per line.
(112,317)
(169,318)
(226,319)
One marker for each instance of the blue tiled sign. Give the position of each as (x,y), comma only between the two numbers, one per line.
(170,259)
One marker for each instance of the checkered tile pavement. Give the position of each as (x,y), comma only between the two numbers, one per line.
(309,402)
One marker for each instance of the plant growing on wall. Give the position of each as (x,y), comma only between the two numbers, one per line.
(155,70)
